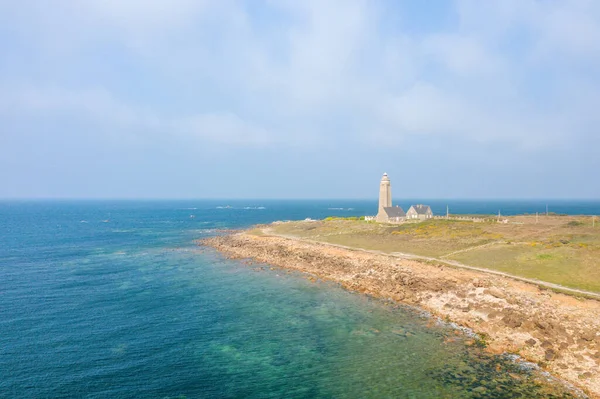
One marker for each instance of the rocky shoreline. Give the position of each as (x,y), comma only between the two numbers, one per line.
(559,332)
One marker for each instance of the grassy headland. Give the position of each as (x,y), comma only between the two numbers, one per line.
(562,250)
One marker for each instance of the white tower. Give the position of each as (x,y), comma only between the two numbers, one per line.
(385,196)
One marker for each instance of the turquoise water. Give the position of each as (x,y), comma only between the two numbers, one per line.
(114,299)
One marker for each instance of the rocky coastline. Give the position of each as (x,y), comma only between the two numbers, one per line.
(561,333)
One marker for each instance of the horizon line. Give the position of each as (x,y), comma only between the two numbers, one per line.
(7,199)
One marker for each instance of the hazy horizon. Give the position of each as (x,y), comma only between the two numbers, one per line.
(9,199)
(185,99)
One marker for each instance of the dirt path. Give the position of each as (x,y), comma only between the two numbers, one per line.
(460,251)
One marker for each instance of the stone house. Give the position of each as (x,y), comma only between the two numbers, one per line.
(420,212)
(392,214)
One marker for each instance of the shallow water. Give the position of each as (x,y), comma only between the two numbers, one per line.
(114,299)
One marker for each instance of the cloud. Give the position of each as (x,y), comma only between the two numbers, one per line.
(227,129)
(427,110)
(277,71)
(100,107)
(98,104)
(143,14)
(570,27)
(462,54)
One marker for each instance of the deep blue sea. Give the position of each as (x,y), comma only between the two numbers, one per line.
(114,299)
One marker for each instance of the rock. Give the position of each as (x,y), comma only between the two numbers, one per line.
(400,295)
(493,314)
(512,301)
(531,342)
(512,321)
(528,325)
(479,283)
(563,346)
(550,354)
(495,292)
(542,325)
(479,389)
(546,344)
(588,335)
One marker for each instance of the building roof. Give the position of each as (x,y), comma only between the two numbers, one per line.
(421,209)
(394,212)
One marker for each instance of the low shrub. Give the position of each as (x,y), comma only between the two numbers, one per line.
(355,218)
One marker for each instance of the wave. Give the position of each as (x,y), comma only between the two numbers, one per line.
(340,209)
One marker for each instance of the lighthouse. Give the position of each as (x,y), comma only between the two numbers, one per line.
(385,193)
(387,213)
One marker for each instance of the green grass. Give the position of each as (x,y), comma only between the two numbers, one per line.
(256,232)
(331,218)
(564,265)
(560,250)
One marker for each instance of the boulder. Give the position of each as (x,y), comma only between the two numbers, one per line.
(495,292)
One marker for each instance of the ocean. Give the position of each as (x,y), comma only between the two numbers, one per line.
(114,299)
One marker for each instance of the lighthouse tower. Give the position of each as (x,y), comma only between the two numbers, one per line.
(385,197)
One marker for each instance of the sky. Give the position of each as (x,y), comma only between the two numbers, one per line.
(299,99)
